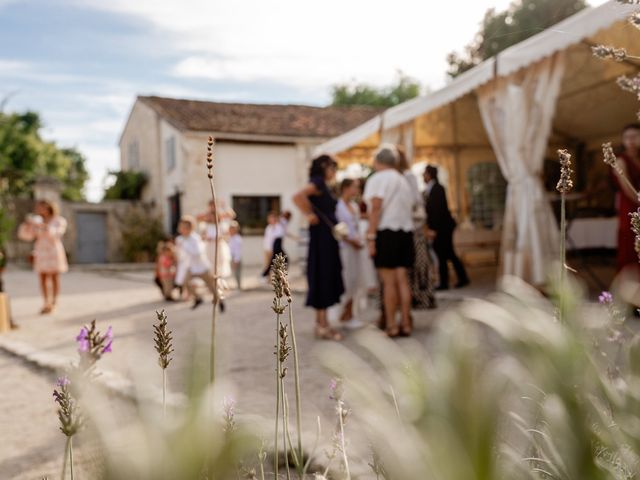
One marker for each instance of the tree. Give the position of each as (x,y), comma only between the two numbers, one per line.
(25,156)
(500,30)
(128,185)
(404,88)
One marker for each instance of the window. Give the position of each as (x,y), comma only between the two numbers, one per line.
(252,212)
(170,152)
(487,191)
(133,155)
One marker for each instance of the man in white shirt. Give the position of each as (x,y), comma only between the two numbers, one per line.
(390,236)
(193,253)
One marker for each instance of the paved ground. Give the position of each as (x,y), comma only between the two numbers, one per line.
(31,446)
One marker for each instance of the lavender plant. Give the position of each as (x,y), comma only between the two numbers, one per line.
(70,420)
(163,345)
(92,345)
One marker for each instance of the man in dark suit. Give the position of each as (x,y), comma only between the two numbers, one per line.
(441,225)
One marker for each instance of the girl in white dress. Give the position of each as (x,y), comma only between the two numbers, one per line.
(348,212)
(47,228)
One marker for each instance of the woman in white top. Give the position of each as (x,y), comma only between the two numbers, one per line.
(390,236)
(348,212)
(47,228)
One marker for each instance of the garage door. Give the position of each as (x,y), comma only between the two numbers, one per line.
(92,237)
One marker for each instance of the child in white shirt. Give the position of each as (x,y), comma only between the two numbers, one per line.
(193,258)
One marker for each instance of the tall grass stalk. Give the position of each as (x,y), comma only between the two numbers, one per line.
(164,347)
(65,459)
(276,307)
(343,446)
(296,375)
(564,185)
(216,293)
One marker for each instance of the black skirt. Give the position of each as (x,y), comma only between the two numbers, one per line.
(394,249)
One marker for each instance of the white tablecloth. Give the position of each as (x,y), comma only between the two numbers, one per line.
(600,232)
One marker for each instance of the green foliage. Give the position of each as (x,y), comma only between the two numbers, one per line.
(25,156)
(128,185)
(403,89)
(500,30)
(140,236)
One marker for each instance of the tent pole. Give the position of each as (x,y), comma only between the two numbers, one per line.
(456,161)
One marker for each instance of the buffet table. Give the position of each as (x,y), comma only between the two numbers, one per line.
(596,232)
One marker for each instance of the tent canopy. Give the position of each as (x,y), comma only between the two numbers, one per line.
(544,93)
(591,107)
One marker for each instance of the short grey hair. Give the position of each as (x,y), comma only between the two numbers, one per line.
(387,155)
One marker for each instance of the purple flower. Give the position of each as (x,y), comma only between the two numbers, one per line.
(83,340)
(63,381)
(108,337)
(107,347)
(605,298)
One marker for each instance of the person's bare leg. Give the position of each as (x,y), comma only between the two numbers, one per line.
(402,279)
(44,288)
(347,311)
(323,329)
(390,289)
(321,318)
(55,287)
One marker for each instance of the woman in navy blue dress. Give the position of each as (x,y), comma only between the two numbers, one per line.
(324,270)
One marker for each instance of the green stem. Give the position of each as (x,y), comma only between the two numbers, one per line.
(288,430)
(296,376)
(261,468)
(342,441)
(315,447)
(563,252)
(285,433)
(71,457)
(164,393)
(64,460)
(278,396)
(216,300)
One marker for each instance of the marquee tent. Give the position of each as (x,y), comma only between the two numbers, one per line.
(515,109)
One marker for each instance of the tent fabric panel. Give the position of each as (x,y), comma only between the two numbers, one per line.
(460,86)
(570,31)
(350,138)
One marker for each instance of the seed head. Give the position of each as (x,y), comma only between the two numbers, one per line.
(279,278)
(610,157)
(564,184)
(163,340)
(609,52)
(283,353)
(635,226)
(210,145)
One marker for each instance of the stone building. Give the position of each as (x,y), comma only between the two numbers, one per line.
(262,155)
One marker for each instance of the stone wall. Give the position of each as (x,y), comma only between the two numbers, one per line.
(115,211)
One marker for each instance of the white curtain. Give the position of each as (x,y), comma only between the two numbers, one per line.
(517,112)
(400,135)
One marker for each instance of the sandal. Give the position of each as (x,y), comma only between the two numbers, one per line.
(393,332)
(46,309)
(327,333)
(407,328)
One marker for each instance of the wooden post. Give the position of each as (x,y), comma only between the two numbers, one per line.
(456,162)
(5,313)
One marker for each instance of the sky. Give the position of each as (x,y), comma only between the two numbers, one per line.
(81,63)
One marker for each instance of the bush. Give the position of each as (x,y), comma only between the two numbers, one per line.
(140,236)
(128,186)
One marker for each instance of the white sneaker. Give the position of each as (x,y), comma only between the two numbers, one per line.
(353,324)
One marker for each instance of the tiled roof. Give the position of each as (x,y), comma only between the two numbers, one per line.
(257,119)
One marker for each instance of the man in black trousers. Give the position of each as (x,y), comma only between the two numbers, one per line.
(441,224)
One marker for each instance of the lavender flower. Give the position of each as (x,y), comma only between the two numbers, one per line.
(163,340)
(83,340)
(335,389)
(92,345)
(228,406)
(605,298)
(607,52)
(635,227)
(68,415)
(564,184)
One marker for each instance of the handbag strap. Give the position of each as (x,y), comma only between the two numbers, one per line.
(322,216)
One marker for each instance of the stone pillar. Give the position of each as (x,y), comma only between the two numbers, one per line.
(47,188)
